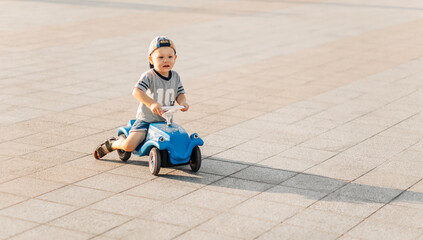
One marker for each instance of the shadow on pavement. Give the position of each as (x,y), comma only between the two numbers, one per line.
(232,176)
(260,178)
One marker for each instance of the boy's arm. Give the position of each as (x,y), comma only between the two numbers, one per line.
(181,100)
(141,96)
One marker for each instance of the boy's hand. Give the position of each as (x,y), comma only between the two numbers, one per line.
(186,107)
(156,108)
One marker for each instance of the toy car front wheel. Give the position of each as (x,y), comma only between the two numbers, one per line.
(154,161)
(123,155)
(195,161)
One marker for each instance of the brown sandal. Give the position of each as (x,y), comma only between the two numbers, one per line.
(101,152)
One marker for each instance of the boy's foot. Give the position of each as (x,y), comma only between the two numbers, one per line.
(104,148)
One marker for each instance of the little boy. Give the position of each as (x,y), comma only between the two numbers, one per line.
(159,86)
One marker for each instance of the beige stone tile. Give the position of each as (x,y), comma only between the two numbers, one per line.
(399,215)
(347,206)
(73,131)
(257,146)
(148,229)
(378,177)
(38,125)
(52,156)
(134,205)
(177,214)
(222,140)
(203,129)
(110,182)
(75,195)
(100,123)
(14,149)
(90,221)
(28,186)
(160,190)
(208,150)
(20,167)
(296,232)
(324,221)
(49,232)
(7,177)
(43,140)
(37,210)
(213,200)
(287,164)
(219,119)
(7,200)
(403,166)
(236,225)
(90,163)
(193,234)
(355,161)
(380,147)
(341,172)
(13,226)
(240,156)
(265,210)
(304,153)
(373,229)
(64,174)
(64,118)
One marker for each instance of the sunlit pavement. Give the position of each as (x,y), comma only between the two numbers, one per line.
(311,113)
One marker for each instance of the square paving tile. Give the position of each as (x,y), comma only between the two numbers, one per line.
(324,221)
(110,182)
(13,226)
(177,214)
(124,204)
(37,210)
(373,229)
(211,200)
(75,195)
(160,191)
(7,199)
(237,226)
(147,229)
(28,186)
(49,232)
(90,221)
(266,210)
(297,232)
(196,234)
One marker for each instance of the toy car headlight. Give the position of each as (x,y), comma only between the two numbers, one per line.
(195,136)
(161,139)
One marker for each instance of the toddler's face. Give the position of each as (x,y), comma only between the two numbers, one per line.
(163,59)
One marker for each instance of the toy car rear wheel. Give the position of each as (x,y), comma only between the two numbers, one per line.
(123,155)
(154,161)
(195,160)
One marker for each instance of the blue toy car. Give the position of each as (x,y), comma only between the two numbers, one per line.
(166,144)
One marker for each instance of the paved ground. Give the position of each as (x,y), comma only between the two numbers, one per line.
(311,112)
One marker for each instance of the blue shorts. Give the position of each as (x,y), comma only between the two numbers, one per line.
(139,126)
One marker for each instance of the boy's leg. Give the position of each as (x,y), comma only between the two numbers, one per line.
(131,142)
